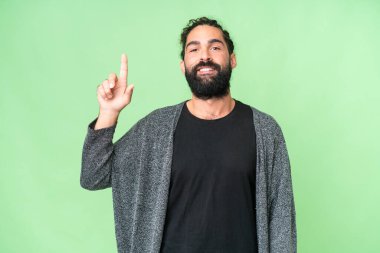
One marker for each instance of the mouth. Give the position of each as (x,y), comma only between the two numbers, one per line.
(204,70)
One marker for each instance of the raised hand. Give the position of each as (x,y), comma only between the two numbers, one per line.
(113,95)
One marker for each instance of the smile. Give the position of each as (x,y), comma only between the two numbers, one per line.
(206,70)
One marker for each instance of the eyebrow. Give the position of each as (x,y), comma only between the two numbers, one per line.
(194,42)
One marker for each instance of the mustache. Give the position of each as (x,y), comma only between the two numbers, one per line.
(207,64)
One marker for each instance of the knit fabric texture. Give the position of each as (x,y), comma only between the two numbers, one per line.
(138,168)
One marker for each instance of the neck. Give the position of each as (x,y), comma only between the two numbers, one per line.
(212,108)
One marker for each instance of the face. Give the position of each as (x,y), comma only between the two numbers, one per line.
(207,63)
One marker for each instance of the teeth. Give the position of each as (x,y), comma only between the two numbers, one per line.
(205,69)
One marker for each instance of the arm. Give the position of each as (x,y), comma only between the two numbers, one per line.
(282,215)
(113,95)
(97,158)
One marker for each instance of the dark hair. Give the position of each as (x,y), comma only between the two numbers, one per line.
(204,21)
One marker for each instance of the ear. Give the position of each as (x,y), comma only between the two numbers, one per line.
(233,62)
(182,65)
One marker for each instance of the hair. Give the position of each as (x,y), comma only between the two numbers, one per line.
(204,21)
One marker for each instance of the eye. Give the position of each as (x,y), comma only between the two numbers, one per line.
(215,48)
(193,50)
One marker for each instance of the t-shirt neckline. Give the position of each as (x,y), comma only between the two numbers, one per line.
(229,115)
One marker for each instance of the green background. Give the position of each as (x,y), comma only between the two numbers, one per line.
(313,65)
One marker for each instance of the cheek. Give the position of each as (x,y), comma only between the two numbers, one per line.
(226,61)
(220,58)
(190,59)
(190,63)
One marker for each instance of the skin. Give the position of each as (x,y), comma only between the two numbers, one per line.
(203,43)
(207,43)
(113,95)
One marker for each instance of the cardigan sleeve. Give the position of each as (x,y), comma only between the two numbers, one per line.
(97,155)
(282,215)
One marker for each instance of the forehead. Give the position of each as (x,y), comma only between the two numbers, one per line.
(203,33)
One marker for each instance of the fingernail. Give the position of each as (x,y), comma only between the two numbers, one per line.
(111,85)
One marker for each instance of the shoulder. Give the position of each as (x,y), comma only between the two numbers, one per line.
(266,124)
(159,122)
(163,115)
(264,119)
(165,111)
(161,119)
(269,133)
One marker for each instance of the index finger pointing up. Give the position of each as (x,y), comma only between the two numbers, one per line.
(123,70)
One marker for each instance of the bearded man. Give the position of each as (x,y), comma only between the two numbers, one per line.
(210,174)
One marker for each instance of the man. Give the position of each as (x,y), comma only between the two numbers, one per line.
(210,174)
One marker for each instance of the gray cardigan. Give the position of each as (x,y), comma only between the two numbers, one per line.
(138,165)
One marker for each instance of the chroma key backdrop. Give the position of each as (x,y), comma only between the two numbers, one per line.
(312,65)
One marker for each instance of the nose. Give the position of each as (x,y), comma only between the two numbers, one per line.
(205,55)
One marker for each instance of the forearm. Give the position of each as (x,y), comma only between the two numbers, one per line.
(97,158)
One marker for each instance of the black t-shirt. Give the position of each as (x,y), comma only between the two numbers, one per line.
(211,205)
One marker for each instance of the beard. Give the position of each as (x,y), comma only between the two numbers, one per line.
(207,87)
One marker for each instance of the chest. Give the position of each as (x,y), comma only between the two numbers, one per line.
(224,149)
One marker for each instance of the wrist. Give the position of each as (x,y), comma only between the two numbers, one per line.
(108,113)
(106,119)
